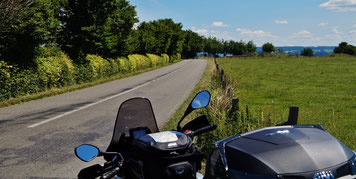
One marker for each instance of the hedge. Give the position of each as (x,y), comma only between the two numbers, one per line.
(54,69)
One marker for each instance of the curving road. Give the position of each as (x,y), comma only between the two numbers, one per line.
(37,138)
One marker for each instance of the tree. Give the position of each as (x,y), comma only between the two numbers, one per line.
(345,48)
(34,25)
(96,27)
(213,46)
(268,48)
(192,44)
(159,36)
(307,52)
(251,47)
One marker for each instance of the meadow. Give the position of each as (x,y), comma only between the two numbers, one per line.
(324,89)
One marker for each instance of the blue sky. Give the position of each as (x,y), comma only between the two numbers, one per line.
(282,22)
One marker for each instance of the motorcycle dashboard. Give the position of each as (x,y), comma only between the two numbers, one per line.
(139,132)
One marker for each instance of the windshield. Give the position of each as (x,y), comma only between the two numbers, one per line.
(133,113)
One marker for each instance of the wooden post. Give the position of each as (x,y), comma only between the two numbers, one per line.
(215,60)
(222,75)
(247,115)
(235,105)
(293,116)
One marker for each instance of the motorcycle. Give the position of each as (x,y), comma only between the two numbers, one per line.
(139,150)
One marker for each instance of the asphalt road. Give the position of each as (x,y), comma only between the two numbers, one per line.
(37,139)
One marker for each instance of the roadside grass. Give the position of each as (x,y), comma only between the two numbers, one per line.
(58,91)
(324,89)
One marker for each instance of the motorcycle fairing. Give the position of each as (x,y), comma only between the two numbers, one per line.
(133,113)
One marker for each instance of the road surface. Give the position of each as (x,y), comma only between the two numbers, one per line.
(37,139)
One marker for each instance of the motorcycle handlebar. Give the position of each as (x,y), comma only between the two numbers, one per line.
(205,129)
(111,173)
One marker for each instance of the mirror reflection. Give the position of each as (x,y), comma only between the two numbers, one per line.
(87,152)
(201,100)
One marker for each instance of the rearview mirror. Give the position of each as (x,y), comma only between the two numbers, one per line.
(199,101)
(86,152)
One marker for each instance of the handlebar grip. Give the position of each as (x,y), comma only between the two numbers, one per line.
(205,129)
(111,173)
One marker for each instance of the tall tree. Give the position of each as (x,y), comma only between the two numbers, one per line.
(308,52)
(33,26)
(268,48)
(192,44)
(251,47)
(96,27)
(159,36)
(345,48)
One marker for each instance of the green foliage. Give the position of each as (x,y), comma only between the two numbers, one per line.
(165,58)
(159,36)
(154,59)
(98,67)
(97,27)
(268,48)
(213,45)
(55,71)
(35,25)
(139,62)
(193,43)
(345,48)
(125,66)
(251,47)
(308,52)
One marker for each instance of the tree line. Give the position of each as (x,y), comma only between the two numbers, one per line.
(102,27)
(28,28)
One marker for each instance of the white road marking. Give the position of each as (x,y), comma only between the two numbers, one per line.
(103,100)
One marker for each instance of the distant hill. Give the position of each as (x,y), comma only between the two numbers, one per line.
(318,51)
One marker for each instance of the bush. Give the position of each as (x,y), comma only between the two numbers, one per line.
(155,60)
(55,71)
(115,66)
(5,76)
(14,82)
(165,58)
(98,66)
(139,62)
(175,57)
(125,66)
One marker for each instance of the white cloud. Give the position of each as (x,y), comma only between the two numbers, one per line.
(354,25)
(323,24)
(336,31)
(340,5)
(353,32)
(256,33)
(221,35)
(281,22)
(219,24)
(204,32)
(302,34)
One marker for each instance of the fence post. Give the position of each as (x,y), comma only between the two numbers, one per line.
(247,115)
(235,105)
(293,116)
(215,60)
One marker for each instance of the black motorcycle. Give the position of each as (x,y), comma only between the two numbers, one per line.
(139,150)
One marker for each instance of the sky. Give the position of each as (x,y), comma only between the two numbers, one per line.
(281,22)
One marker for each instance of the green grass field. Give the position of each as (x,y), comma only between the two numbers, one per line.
(324,89)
